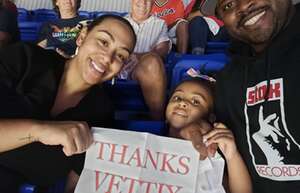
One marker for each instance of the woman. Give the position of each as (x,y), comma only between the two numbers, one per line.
(38,85)
(61,34)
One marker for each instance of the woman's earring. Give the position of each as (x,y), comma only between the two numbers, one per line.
(76,52)
(113,80)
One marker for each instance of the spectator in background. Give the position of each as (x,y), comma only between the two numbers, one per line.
(203,28)
(146,63)
(173,12)
(61,34)
(9,31)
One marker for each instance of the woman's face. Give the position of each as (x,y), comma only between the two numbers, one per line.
(67,5)
(103,50)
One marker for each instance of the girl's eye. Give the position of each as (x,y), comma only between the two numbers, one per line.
(103,42)
(177,99)
(195,102)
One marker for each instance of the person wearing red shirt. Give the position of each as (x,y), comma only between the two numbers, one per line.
(173,12)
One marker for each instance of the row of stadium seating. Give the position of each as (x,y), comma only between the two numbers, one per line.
(42,15)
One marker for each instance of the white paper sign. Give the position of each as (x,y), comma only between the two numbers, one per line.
(135,162)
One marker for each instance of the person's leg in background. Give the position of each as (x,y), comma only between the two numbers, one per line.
(180,35)
(221,36)
(150,74)
(198,35)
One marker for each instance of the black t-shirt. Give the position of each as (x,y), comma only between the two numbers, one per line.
(266,131)
(29,79)
(62,33)
(9,24)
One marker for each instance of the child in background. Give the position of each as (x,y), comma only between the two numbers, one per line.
(203,28)
(173,13)
(191,104)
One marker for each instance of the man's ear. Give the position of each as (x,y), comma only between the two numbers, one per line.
(81,37)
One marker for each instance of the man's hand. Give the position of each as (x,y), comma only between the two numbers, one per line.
(75,137)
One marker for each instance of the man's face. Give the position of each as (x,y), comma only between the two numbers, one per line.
(254,21)
(141,9)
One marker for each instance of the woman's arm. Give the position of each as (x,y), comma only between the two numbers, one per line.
(75,137)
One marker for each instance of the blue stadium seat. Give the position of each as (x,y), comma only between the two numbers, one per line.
(27,188)
(204,63)
(23,15)
(59,187)
(42,15)
(99,13)
(85,14)
(216,47)
(126,95)
(29,30)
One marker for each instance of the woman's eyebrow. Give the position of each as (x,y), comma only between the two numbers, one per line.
(113,39)
(109,34)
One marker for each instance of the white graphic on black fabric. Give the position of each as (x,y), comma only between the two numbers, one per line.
(272,146)
(272,130)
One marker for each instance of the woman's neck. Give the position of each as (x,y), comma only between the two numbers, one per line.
(72,81)
(70,91)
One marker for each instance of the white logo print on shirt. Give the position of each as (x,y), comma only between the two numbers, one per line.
(270,142)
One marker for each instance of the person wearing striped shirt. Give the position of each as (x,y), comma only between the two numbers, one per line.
(146,63)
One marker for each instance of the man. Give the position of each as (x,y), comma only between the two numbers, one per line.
(62,33)
(9,31)
(146,63)
(173,12)
(257,93)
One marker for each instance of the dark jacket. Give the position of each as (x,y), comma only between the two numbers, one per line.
(257,97)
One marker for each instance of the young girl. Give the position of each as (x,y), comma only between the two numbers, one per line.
(191,105)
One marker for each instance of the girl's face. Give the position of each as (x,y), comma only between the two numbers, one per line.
(103,51)
(189,103)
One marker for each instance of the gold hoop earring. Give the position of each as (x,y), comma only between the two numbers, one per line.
(113,80)
(76,52)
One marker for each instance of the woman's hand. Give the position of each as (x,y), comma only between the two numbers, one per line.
(222,136)
(75,137)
